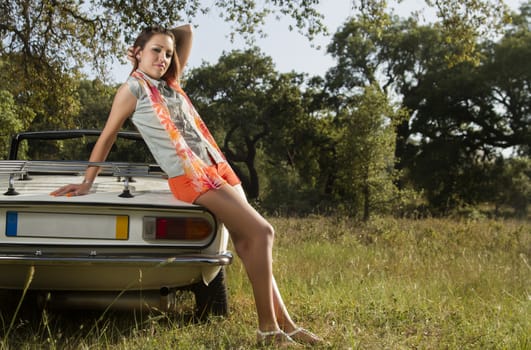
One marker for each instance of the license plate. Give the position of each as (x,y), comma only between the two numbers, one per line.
(67,225)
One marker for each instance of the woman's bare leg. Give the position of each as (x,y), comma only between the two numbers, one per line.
(281,312)
(252,237)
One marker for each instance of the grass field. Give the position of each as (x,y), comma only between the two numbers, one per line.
(387,284)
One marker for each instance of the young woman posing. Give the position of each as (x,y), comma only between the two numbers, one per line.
(197,170)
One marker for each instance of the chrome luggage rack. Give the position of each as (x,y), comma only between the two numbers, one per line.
(23,168)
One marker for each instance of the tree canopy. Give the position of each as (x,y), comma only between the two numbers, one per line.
(408,107)
(46,44)
(74,33)
(249,105)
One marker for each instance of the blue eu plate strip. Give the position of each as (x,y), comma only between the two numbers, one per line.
(11,223)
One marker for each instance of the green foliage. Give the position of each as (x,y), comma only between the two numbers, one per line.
(509,185)
(286,192)
(249,106)
(75,149)
(95,100)
(507,72)
(9,121)
(366,154)
(467,22)
(463,117)
(460,115)
(462,23)
(48,96)
(307,144)
(79,33)
(45,44)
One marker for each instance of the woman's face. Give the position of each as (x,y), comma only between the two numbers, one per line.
(155,58)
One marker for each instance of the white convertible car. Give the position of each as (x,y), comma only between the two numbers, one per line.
(127,243)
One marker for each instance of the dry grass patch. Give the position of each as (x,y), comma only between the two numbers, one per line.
(387,284)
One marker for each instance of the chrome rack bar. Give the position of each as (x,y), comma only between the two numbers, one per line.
(126,171)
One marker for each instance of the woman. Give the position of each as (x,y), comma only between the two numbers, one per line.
(197,170)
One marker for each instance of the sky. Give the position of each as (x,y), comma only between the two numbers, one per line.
(289,50)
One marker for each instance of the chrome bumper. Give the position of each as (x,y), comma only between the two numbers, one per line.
(221,259)
(108,272)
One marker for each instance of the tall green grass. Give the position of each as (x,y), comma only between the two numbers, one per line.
(387,284)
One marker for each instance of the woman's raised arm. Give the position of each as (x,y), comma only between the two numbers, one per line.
(183,43)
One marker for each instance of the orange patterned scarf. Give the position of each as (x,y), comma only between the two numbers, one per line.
(201,176)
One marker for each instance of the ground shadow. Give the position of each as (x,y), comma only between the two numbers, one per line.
(31,322)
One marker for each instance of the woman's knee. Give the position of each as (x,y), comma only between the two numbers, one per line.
(262,236)
(268,231)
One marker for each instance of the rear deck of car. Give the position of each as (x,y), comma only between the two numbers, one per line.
(129,238)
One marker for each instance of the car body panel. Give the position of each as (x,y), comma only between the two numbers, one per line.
(101,242)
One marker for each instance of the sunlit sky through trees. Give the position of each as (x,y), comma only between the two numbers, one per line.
(288,49)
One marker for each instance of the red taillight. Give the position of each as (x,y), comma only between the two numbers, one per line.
(175,228)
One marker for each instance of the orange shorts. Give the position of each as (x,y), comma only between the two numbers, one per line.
(181,189)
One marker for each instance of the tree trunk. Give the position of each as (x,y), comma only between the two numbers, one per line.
(366,201)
